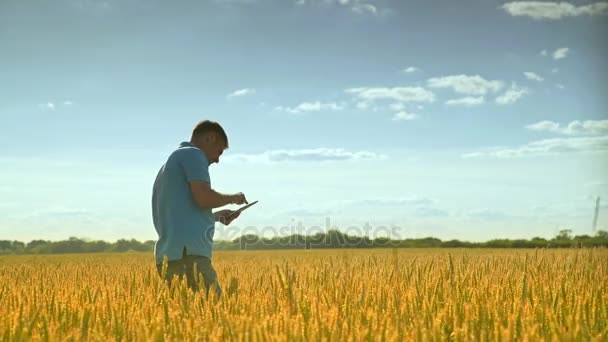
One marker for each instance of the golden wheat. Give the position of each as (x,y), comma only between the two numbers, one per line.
(384,294)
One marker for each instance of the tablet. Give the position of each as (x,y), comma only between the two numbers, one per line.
(239,210)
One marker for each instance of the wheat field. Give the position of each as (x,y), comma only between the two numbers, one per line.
(380,294)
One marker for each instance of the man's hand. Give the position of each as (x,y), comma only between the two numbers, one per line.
(239,198)
(225,216)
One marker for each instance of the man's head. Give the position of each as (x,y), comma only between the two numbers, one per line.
(210,138)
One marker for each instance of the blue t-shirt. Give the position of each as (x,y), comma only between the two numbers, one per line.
(178,220)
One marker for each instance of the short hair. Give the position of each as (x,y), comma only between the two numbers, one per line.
(207,126)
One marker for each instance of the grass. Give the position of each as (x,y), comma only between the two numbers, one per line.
(422,294)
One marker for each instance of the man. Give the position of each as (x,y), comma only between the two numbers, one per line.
(182,200)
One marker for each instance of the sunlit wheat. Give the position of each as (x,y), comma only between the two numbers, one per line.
(400,294)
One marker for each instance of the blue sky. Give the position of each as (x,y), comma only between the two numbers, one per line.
(456,119)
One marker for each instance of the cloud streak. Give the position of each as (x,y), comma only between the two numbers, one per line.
(241,92)
(512,95)
(395,202)
(576,127)
(561,53)
(399,94)
(364,9)
(546,147)
(532,76)
(548,10)
(404,116)
(410,70)
(315,106)
(47,106)
(466,84)
(322,154)
(468,101)
(360,7)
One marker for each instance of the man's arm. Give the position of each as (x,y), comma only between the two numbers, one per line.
(205,197)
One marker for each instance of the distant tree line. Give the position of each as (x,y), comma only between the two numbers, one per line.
(330,239)
(73,245)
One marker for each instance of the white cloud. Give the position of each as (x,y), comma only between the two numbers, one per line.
(594,139)
(236,2)
(465,84)
(560,86)
(389,202)
(555,70)
(312,107)
(511,95)
(404,116)
(241,92)
(365,8)
(410,70)
(561,53)
(553,10)
(305,155)
(398,106)
(547,147)
(399,94)
(533,76)
(55,105)
(356,6)
(576,127)
(544,126)
(466,101)
(47,106)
